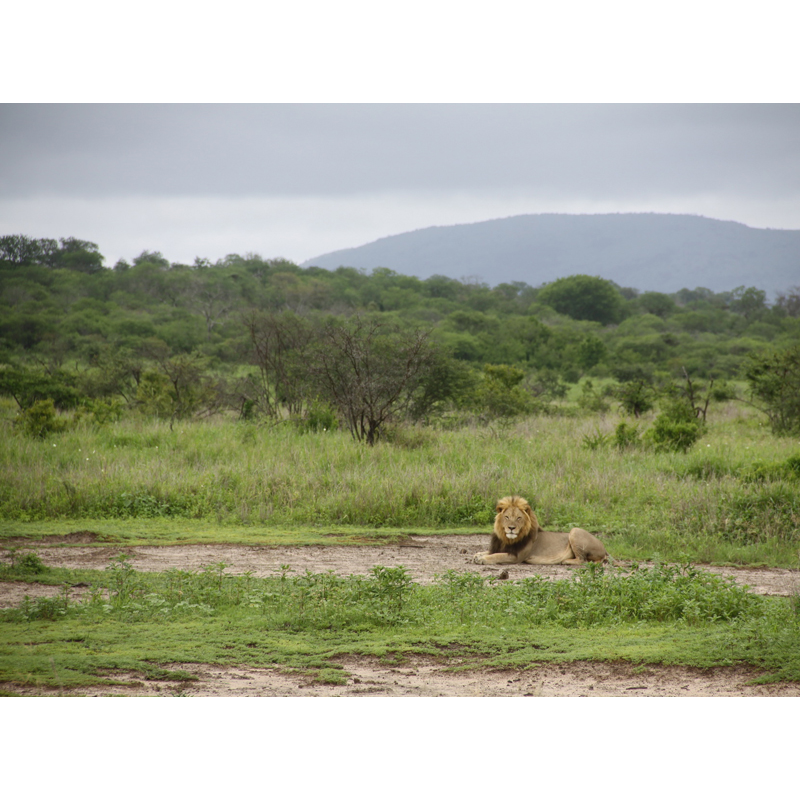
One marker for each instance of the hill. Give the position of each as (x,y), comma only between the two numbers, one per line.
(649,252)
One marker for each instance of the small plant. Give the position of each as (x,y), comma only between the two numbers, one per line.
(597,440)
(626,436)
(319,418)
(40,420)
(24,563)
(389,589)
(49,608)
(592,400)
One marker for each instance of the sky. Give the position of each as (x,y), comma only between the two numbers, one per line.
(299,180)
(313,131)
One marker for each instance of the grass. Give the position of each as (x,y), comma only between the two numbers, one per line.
(134,622)
(730,499)
(733,498)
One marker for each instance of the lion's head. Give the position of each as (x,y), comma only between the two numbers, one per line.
(515,520)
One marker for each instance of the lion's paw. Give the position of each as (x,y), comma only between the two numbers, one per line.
(479,558)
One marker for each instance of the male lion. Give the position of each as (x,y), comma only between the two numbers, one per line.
(518,539)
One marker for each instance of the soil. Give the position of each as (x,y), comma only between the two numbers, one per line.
(424,558)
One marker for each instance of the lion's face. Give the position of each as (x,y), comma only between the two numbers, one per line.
(515,519)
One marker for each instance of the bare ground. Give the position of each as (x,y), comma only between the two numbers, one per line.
(424,557)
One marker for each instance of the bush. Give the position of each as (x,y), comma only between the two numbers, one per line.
(636,397)
(40,420)
(676,429)
(626,436)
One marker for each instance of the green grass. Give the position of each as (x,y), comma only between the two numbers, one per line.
(733,498)
(138,622)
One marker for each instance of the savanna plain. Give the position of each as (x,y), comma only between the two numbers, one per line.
(226,557)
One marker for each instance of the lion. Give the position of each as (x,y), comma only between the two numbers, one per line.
(518,539)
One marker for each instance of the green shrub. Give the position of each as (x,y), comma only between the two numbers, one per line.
(676,428)
(626,436)
(670,436)
(40,420)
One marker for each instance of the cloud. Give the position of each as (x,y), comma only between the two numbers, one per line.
(300,180)
(280,150)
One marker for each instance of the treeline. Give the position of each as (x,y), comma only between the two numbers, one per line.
(180,340)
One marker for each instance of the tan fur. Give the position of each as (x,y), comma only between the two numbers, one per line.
(518,538)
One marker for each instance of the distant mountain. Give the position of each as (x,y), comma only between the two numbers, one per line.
(649,252)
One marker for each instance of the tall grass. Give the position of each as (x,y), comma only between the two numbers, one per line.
(732,490)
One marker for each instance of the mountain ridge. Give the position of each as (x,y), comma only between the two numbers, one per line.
(647,251)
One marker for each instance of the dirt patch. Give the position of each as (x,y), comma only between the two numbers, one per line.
(424,557)
(426,677)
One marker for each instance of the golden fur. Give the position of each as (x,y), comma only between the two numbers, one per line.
(518,538)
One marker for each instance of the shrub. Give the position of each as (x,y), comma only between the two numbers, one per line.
(40,420)
(636,397)
(676,429)
(626,435)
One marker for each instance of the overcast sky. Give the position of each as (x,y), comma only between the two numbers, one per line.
(302,180)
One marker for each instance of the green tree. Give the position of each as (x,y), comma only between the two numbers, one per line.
(369,371)
(281,344)
(29,387)
(500,396)
(789,302)
(662,305)
(40,420)
(774,378)
(584,297)
(79,256)
(749,302)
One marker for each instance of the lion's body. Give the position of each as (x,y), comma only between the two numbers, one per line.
(518,538)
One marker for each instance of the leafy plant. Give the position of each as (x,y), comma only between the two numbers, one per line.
(24,563)
(596,440)
(676,429)
(774,378)
(40,420)
(626,436)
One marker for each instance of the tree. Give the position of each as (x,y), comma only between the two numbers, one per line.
(180,388)
(369,371)
(28,387)
(662,305)
(774,378)
(584,297)
(280,351)
(79,256)
(749,302)
(789,302)
(500,396)
(635,396)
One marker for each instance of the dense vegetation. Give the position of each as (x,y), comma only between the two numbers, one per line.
(267,338)
(232,403)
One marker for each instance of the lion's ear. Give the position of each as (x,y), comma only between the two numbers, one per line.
(503,503)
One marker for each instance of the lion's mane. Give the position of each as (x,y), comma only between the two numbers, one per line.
(529,528)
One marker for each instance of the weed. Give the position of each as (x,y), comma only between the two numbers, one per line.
(23,564)
(596,440)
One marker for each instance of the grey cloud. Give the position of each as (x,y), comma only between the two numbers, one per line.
(608,151)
